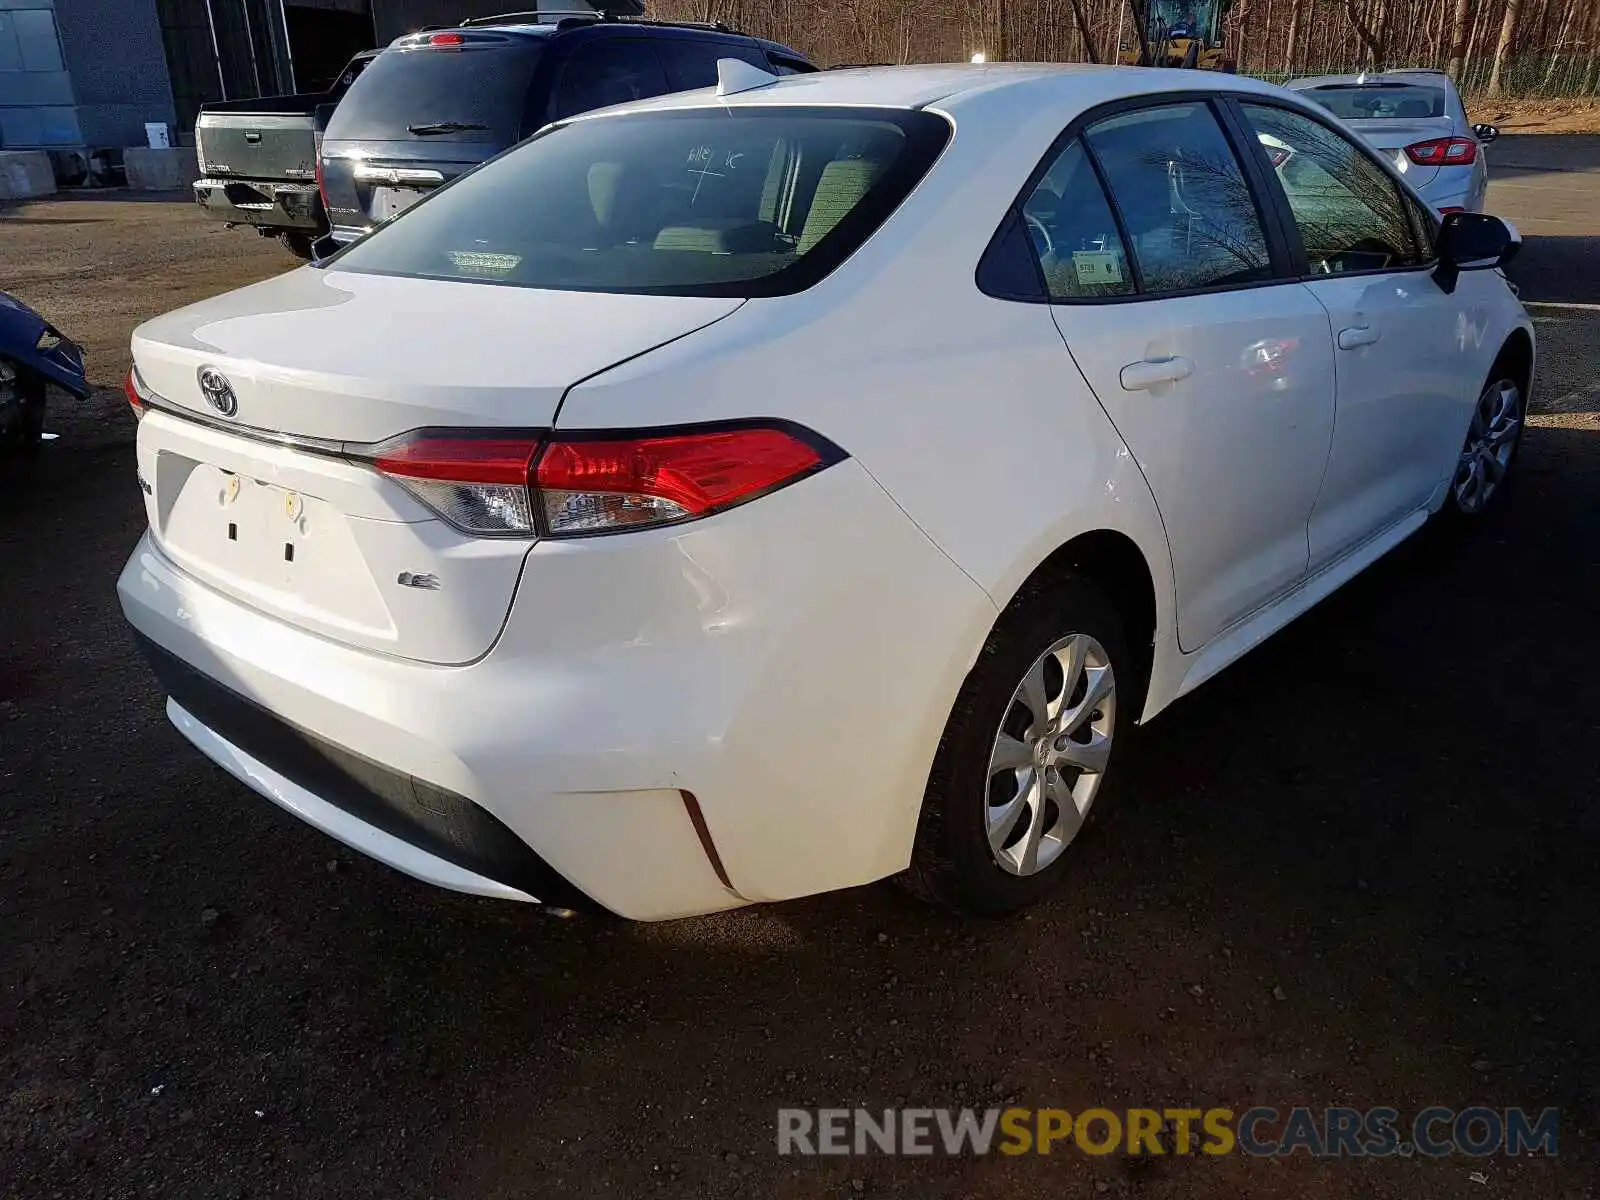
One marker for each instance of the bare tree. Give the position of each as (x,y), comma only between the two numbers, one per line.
(1141,28)
(1508,33)
(1371,38)
(1560,46)
(1083,32)
(1552,46)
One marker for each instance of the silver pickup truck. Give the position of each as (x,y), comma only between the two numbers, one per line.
(258,160)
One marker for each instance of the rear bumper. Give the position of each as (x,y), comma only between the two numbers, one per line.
(1451,187)
(262,203)
(428,832)
(1452,201)
(673,722)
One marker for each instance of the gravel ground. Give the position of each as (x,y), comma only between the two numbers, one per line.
(1355,869)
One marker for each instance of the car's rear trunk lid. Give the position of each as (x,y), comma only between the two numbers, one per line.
(272,505)
(331,354)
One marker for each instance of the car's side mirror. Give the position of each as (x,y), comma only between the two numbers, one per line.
(1473,242)
(1486,133)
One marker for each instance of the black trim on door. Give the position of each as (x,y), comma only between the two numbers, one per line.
(1283,233)
(1114,206)
(1280,252)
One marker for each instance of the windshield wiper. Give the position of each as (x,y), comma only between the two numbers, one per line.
(443,127)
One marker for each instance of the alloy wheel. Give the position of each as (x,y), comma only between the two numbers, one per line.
(1491,441)
(1050,754)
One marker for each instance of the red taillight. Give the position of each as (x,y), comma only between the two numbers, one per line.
(447,39)
(1448,209)
(479,484)
(1443,152)
(322,187)
(468,459)
(565,486)
(591,485)
(134,390)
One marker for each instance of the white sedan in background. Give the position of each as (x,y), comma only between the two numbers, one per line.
(742,494)
(1417,118)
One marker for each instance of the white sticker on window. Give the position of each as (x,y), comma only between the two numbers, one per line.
(1096,266)
(480,262)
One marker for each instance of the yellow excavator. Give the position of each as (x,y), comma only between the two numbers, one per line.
(1177,33)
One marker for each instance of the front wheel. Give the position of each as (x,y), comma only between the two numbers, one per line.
(1490,446)
(1025,753)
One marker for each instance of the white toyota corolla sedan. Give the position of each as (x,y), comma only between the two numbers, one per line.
(740,494)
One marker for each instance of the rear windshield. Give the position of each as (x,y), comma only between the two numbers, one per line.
(444,94)
(740,202)
(1366,101)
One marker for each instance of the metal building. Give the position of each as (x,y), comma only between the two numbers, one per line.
(80,72)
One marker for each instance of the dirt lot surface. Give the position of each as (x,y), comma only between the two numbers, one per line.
(1537,116)
(1358,868)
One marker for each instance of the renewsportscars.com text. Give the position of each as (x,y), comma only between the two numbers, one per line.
(1263,1132)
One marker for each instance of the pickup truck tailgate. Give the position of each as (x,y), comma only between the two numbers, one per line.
(257,146)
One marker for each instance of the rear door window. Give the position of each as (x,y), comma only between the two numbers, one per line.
(745,201)
(1183,197)
(1070,225)
(470,93)
(609,71)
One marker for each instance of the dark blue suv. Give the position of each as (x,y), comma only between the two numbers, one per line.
(436,104)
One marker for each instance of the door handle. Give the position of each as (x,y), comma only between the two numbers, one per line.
(1151,372)
(1358,335)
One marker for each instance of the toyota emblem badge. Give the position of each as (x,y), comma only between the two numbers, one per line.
(214,386)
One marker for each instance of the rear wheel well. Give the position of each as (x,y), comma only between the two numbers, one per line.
(1114,563)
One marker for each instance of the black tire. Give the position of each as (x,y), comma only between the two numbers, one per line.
(1457,510)
(951,863)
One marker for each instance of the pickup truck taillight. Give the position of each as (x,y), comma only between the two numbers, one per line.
(572,485)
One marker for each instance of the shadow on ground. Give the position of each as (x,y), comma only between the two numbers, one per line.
(1558,269)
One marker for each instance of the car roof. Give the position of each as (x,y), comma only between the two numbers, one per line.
(1065,85)
(1394,77)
